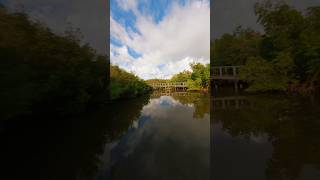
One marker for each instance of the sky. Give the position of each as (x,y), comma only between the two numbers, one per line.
(157,39)
(90,16)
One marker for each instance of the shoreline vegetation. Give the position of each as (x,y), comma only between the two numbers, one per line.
(198,79)
(124,85)
(284,57)
(46,73)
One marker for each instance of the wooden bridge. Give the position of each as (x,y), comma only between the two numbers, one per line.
(225,72)
(169,85)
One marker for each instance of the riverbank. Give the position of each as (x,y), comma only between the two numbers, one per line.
(124,85)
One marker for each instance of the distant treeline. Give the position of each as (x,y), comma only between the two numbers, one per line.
(126,85)
(286,56)
(197,79)
(41,72)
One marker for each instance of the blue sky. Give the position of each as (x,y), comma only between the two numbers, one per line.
(156,39)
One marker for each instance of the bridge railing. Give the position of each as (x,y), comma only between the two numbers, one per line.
(158,94)
(225,72)
(164,85)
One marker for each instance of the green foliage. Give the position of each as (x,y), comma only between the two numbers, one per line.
(287,52)
(181,77)
(44,72)
(194,85)
(198,79)
(126,85)
(236,48)
(268,76)
(200,76)
(288,30)
(310,45)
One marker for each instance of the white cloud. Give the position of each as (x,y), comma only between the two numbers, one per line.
(118,31)
(127,4)
(167,47)
(120,56)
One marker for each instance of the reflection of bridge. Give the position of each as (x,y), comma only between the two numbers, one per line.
(168,93)
(169,85)
(232,102)
(225,72)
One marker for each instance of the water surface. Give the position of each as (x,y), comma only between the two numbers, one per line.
(170,136)
(169,140)
(265,137)
(165,136)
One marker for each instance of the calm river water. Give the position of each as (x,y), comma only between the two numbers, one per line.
(265,137)
(171,136)
(168,139)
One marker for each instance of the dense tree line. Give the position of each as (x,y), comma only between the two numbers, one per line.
(286,56)
(126,85)
(197,79)
(42,72)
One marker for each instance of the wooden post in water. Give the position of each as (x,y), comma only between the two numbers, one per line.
(234,71)
(236,85)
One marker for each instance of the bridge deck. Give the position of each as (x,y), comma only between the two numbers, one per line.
(225,73)
(169,85)
(217,73)
(168,93)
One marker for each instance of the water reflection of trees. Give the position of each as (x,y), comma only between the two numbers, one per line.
(157,147)
(292,125)
(49,148)
(200,101)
